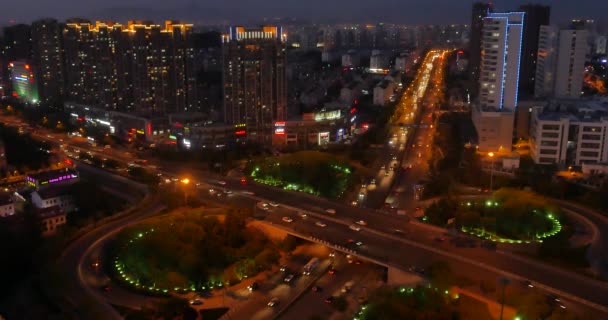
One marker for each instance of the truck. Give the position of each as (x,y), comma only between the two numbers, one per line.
(310,266)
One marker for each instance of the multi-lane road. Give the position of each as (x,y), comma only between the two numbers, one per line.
(387,237)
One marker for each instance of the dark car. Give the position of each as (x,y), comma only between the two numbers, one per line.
(332,271)
(254,286)
(329,299)
(317,289)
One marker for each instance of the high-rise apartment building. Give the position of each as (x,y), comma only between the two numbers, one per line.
(535,17)
(500,60)
(23,81)
(493,116)
(480,11)
(47,57)
(141,67)
(255,83)
(17,46)
(561,62)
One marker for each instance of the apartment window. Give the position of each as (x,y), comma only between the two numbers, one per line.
(548,151)
(589,154)
(550,135)
(588,145)
(548,143)
(546,160)
(550,126)
(591,137)
(592,129)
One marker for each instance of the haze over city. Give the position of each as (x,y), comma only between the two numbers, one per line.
(215,11)
(304,160)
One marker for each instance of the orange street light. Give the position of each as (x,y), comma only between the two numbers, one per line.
(185,181)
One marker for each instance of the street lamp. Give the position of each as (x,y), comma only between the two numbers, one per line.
(185,182)
(491,155)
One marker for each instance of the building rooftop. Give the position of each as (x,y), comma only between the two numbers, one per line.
(578,110)
(52,174)
(53,192)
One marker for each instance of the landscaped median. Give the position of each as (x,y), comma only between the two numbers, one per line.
(312,172)
(508,216)
(189,251)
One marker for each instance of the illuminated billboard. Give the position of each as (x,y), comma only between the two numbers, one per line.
(279,128)
(327,115)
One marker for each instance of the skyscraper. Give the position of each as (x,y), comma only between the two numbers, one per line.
(255,83)
(23,81)
(500,60)
(493,117)
(561,62)
(17,46)
(47,59)
(141,67)
(535,17)
(480,11)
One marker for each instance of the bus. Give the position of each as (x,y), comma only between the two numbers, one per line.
(310,266)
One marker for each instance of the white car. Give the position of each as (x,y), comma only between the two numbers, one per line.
(274,204)
(303,215)
(354,227)
(287,219)
(223,183)
(320,224)
(331,211)
(273,302)
(361,222)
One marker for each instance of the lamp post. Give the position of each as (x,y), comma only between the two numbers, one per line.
(504,282)
(491,155)
(185,183)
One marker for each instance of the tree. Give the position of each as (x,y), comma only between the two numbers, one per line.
(340,303)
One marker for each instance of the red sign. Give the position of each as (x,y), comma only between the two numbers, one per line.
(240,132)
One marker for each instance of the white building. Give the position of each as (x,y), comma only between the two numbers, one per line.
(546,61)
(600,45)
(561,62)
(350,59)
(383,92)
(51,197)
(501,53)
(7,205)
(378,62)
(493,117)
(570,63)
(570,132)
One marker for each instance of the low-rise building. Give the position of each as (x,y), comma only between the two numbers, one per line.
(41,180)
(383,92)
(53,197)
(7,205)
(494,129)
(570,132)
(51,219)
(351,92)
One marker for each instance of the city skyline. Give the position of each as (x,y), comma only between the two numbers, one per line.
(218,12)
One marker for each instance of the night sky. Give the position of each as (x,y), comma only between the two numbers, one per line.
(399,11)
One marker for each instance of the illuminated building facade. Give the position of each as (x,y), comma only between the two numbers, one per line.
(47,57)
(141,67)
(480,11)
(500,60)
(255,83)
(23,81)
(494,115)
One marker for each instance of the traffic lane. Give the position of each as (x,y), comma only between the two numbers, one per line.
(337,234)
(534,273)
(383,248)
(313,303)
(257,307)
